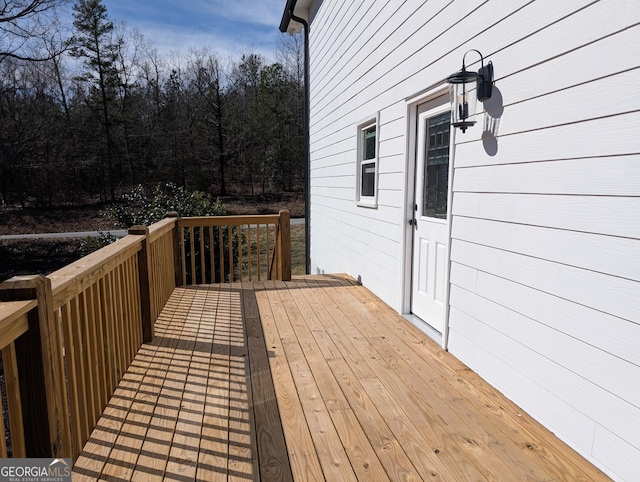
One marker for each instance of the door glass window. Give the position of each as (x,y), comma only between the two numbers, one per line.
(436,169)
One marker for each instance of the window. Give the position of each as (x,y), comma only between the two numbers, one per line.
(436,169)
(368,162)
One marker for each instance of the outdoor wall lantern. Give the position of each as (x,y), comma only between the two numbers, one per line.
(465,87)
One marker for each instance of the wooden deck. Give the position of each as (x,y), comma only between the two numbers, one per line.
(313,379)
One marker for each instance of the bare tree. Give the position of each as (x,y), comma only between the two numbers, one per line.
(23,22)
(208,82)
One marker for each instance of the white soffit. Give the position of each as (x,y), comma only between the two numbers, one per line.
(300,9)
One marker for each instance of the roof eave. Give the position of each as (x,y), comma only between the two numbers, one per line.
(286,16)
(300,9)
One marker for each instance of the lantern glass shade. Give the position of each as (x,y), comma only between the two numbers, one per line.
(463,93)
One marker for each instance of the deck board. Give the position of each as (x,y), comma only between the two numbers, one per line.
(313,379)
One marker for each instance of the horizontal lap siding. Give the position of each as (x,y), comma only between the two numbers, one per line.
(545,274)
(346,41)
(368,57)
(545,265)
(362,63)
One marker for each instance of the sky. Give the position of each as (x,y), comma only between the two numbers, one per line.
(226,26)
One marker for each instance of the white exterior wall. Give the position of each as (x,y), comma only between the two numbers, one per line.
(545,258)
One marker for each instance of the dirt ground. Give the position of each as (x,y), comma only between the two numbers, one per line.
(42,256)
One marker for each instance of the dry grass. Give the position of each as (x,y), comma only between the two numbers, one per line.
(297,250)
(268,242)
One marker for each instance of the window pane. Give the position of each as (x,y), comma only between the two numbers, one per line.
(436,169)
(368,179)
(369,143)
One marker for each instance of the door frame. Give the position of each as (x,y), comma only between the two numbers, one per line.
(412,103)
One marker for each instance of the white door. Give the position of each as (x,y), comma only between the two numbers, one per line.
(431,216)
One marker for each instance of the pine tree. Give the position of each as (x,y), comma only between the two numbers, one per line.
(94,42)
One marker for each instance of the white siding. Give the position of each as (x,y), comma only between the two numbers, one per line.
(545,258)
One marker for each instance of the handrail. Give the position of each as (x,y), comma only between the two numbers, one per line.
(229,220)
(69,281)
(162,227)
(13,320)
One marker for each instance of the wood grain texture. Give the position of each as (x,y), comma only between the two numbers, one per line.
(13,320)
(312,379)
(14,403)
(272,449)
(302,454)
(71,280)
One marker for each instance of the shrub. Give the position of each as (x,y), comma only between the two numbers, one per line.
(91,244)
(140,209)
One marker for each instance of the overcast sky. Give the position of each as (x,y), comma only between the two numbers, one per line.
(224,25)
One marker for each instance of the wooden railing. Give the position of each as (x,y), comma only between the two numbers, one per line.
(43,414)
(235,248)
(97,302)
(70,337)
(14,322)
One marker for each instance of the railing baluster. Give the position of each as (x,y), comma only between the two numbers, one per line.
(212,255)
(73,377)
(86,361)
(221,250)
(203,277)
(117,325)
(134,296)
(142,276)
(259,250)
(108,348)
(284,251)
(249,262)
(267,255)
(101,374)
(76,334)
(231,261)
(124,313)
(14,404)
(183,254)
(127,310)
(240,246)
(193,255)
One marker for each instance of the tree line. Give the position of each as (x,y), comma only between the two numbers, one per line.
(92,109)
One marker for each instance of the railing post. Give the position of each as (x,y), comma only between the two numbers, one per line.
(40,363)
(176,248)
(144,278)
(284,243)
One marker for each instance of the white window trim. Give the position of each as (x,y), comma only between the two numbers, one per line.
(367,201)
